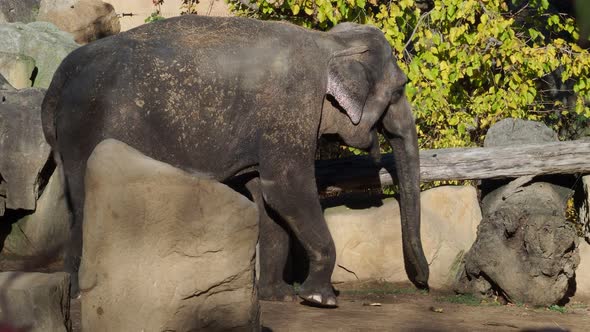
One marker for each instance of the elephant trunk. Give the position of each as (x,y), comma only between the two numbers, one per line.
(400,131)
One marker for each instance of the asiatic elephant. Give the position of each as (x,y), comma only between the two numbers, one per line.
(239,97)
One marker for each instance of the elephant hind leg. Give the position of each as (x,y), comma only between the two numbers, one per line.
(292,194)
(273,251)
(74,173)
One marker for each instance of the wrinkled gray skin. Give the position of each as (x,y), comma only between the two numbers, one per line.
(240,97)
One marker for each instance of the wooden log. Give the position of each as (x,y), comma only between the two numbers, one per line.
(568,157)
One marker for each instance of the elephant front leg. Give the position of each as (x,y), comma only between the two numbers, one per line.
(273,252)
(292,194)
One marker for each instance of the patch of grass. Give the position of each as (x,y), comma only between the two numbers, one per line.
(558,308)
(384,291)
(467,299)
(578,305)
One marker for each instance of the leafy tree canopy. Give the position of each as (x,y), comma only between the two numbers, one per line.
(470,62)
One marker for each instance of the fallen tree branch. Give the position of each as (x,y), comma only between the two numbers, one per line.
(568,157)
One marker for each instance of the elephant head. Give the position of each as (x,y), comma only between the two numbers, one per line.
(364,95)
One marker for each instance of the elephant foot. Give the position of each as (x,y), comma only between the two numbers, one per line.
(320,296)
(74,286)
(277,292)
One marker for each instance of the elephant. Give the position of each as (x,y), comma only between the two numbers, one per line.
(241,98)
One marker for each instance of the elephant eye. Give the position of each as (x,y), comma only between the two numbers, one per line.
(399,91)
(397,94)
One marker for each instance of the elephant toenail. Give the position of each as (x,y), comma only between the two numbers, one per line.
(331,301)
(317,298)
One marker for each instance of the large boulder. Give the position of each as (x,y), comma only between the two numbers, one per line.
(368,240)
(584,206)
(23,150)
(17,69)
(43,42)
(35,302)
(583,273)
(19,11)
(525,249)
(37,239)
(36,226)
(164,249)
(86,20)
(508,132)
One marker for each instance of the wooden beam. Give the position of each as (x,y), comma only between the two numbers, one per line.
(568,157)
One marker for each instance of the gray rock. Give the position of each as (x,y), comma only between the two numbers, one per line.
(38,238)
(86,20)
(584,208)
(524,246)
(42,41)
(17,69)
(23,150)
(517,131)
(39,302)
(25,11)
(163,249)
(5,85)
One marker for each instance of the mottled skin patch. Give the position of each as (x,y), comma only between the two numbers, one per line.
(232,97)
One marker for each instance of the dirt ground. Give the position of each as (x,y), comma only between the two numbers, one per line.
(405,309)
(417,312)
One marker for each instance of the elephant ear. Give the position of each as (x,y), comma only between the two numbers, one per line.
(348,82)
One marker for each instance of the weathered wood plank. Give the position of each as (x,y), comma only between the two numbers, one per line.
(461,164)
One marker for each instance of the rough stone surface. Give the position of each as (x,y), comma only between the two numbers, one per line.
(368,241)
(517,132)
(164,250)
(42,234)
(86,20)
(583,273)
(23,150)
(4,84)
(55,5)
(18,11)
(584,209)
(17,69)
(35,302)
(525,249)
(42,41)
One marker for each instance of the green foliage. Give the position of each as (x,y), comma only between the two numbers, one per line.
(470,62)
(558,308)
(155,16)
(466,299)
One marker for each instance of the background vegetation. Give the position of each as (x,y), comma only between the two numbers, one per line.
(470,62)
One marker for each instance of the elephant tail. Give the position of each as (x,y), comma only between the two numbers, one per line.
(49,108)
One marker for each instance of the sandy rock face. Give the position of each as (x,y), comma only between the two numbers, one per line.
(369,246)
(164,250)
(86,20)
(39,237)
(17,69)
(37,302)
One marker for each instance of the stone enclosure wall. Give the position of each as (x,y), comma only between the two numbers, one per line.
(506,238)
